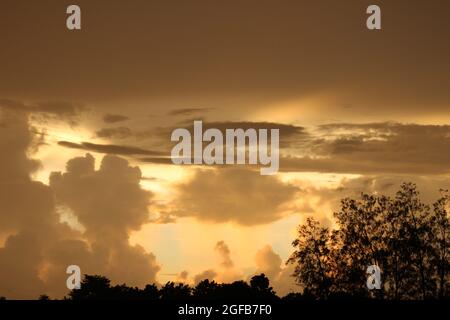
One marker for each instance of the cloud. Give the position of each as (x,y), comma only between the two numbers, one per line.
(117,133)
(41,111)
(225,272)
(89,193)
(245,65)
(234,195)
(15,139)
(182,276)
(428,186)
(266,261)
(38,247)
(20,258)
(322,201)
(114,118)
(15,183)
(27,215)
(374,149)
(109,203)
(207,274)
(270,263)
(188,111)
(290,135)
(109,148)
(224,252)
(157,160)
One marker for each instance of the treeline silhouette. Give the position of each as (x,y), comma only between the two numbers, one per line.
(94,287)
(408,240)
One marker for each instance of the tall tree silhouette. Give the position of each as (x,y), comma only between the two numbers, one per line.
(402,235)
(313,258)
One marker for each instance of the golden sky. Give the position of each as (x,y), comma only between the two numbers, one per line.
(85,116)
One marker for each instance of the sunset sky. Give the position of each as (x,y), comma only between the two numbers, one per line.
(86,118)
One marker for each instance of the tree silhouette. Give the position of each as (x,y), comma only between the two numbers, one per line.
(261,288)
(150,292)
(313,258)
(237,290)
(206,290)
(441,244)
(402,235)
(175,291)
(93,287)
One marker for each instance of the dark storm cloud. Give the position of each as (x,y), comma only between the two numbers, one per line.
(109,148)
(376,148)
(289,134)
(208,51)
(370,148)
(114,118)
(286,129)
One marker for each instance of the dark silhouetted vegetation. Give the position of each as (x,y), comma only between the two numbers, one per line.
(94,287)
(407,239)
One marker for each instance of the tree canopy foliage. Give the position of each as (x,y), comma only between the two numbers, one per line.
(95,287)
(407,239)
